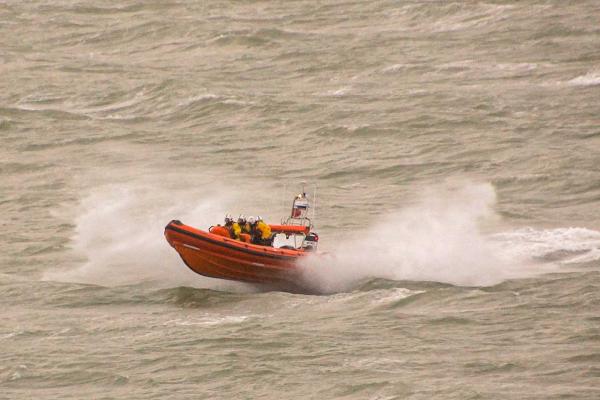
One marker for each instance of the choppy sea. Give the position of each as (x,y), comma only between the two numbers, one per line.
(452,151)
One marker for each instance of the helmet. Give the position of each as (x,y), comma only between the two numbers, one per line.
(251,220)
(242,219)
(228,218)
(258,218)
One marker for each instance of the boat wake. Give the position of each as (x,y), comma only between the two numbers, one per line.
(449,235)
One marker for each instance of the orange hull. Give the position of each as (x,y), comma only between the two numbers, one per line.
(224,258)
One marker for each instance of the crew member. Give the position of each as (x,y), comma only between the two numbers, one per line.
(251,225)
(233,227)
(244,224)
(245,229)
(262,233)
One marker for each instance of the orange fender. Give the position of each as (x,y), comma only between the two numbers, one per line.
(220,230)
(289,229)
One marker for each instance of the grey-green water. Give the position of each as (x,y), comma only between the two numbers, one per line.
(455,147)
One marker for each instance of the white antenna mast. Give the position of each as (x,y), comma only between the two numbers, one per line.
(315,204)
(283,201)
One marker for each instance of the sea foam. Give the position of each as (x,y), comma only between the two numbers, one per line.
(589,79)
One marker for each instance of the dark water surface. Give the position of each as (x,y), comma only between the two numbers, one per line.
(455,147)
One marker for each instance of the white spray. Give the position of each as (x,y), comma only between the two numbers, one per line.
(119,233)
(447,236)
(440,239)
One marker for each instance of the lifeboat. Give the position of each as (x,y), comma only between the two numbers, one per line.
(214,254)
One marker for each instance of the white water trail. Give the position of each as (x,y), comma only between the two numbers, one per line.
(439,239)
(592,78)
(566,246)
